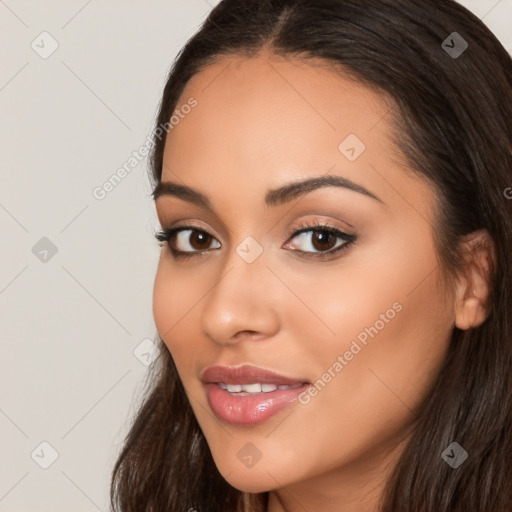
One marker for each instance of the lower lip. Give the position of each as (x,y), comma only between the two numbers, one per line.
(249,409)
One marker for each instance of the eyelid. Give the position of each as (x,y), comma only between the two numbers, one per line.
(193,225)
(294,232)
(321,226)
(316,224)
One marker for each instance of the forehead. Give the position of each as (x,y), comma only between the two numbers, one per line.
(266,120)
(269,104)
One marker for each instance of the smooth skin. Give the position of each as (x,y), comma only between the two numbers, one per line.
(261,123)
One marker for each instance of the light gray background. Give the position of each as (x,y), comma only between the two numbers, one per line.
(69,325)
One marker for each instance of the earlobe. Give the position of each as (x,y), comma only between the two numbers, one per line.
(470,313)
(473,290)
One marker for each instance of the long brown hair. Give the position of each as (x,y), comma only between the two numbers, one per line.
(453,124)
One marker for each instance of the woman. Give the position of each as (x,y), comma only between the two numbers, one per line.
(333,295)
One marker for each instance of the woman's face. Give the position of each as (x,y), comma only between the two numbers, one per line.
(367,325)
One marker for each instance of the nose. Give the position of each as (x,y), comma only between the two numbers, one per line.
(242,303)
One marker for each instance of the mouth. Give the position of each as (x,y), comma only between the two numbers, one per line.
(247,395)
(255,388)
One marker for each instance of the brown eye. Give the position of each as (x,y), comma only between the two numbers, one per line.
(319,240)
(190,240)
(200,240)
(323,240)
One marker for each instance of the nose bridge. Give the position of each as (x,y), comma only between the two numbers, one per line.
(239,299)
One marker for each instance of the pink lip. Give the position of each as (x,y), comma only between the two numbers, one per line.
(246,374)
(249,409)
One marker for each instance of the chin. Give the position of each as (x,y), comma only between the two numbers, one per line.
(250,485)
(251,480)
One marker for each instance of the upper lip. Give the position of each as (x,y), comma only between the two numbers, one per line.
(246,374)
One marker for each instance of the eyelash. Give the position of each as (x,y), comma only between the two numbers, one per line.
(166,235)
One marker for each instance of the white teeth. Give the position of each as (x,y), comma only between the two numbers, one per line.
(251,388)
(290,387)
(256,387)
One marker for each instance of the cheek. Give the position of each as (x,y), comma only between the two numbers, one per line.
(173,311)
(164,303)
(174,298)
(394,309)
(179,294)
(391,328)
(382,380)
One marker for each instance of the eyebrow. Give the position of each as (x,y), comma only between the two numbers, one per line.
(274,197)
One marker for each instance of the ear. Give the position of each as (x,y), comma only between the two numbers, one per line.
(473,287)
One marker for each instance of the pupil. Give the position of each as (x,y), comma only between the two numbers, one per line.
(323,237)
(200,238)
